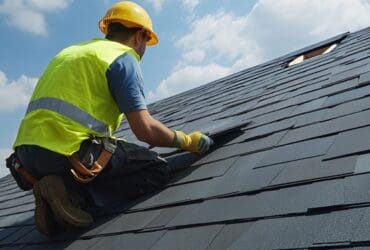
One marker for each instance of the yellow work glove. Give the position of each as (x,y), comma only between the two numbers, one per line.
(195,142)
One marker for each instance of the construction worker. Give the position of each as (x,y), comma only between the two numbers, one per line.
(64,145)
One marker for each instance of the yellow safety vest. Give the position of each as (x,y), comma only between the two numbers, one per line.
(72,100)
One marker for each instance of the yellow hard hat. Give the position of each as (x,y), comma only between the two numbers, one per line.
(130,15)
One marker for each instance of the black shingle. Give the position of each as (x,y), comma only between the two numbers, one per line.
(209,170)
(364,79)
(129,241)
(24,200)
(281,233)
(338,227)
(362,164)
(347,96)
(265,130)
(242,177)
(293,200)
(131,221)
(297,151)
(346,72)
(179,194)
(361,231)
(309,106)
(273,115)
(17,209)
(189,238)
(245,147)
(313,168)
(353,141)
(310,118)
(6,232)
(307,86)
(17,236)
(25,218)
(357,189)
(164,217)
(347,122)
(348,108)
(228,235)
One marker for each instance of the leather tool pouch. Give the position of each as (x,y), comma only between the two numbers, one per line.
(24,180)
(92,158)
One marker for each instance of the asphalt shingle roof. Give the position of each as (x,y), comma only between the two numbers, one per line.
(290,168)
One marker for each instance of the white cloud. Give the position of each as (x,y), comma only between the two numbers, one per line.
(194,56)
(49,5)
(187,77)
(190,4)
(4,153)
(279,27)
(271,29)
(29,15)
(220,36)
(187,4)
(15,93)
(157,4)
(212,41)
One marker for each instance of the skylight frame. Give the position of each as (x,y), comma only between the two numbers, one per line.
(313,53)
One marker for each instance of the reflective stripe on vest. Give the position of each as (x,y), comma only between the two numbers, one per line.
(69,110)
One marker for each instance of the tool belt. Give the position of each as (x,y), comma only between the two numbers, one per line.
(86,164)
(25,180)
(91,159)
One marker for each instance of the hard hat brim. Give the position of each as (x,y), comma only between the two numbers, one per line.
(103,26)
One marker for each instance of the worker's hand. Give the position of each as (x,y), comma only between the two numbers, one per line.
(195,142)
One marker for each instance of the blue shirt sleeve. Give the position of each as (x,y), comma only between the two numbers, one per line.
(126,83)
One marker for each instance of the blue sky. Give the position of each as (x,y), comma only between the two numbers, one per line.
(200,41)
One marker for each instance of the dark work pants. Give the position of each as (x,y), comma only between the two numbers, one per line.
(132,171)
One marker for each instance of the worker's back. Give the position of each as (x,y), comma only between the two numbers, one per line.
(72,100)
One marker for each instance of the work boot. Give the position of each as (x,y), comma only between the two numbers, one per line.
(44,219)
(66,214)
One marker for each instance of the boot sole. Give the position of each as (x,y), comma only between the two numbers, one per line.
(43,216)
(64,211)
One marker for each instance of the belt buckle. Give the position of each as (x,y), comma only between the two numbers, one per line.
(109,146)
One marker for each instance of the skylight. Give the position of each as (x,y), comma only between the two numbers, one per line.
(313,53)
